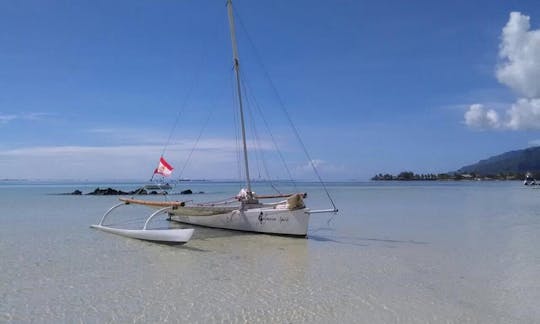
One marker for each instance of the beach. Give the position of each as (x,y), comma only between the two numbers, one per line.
(422,252)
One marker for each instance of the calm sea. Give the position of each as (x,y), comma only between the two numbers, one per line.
(397,252)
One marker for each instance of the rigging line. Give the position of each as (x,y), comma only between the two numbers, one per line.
(282,158)
(258,106)
(258,151)
(180,112)
(177,119)
(196,142)
(251,120)
(257,143)
(282,105)
(236,128)
(274,142)
(257,137)
(239,149)
(183,106)
(193,83)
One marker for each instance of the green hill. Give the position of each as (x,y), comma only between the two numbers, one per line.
(520,161)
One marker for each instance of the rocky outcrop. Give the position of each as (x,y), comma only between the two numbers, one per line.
(115,192)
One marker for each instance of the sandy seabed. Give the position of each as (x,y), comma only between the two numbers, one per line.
(396,253)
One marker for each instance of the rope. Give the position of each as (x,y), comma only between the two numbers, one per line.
(274,142)
(257,138)
(257,147)
(282,106)
(188,159)
(236,128)
(193,83)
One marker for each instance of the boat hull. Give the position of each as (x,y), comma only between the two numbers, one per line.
(261,220)
(176,235)
(158,186)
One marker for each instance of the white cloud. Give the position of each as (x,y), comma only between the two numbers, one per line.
(520,54)
(479,117)
(519,69)
(327,170)
(524,114)
(214,159)
(122,135)
(6,118)
(36,116)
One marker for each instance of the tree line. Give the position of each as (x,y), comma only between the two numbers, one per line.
(411,176)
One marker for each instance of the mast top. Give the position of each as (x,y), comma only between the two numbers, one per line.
(233,32)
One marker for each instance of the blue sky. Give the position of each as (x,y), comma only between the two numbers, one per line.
(91,89)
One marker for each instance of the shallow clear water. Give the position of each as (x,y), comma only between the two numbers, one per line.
(396,252)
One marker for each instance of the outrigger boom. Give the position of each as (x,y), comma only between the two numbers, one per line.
(175,235)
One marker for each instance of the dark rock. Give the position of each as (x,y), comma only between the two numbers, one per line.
(107,192)
(111,192)
(139,191)
(186,192)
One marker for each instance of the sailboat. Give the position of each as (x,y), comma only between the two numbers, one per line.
(529,180)
(165,170)
(247,211)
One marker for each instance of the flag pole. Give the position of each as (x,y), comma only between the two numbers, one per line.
(153,174)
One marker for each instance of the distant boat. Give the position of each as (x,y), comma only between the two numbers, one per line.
(164,169)
(529,180)
(158,186)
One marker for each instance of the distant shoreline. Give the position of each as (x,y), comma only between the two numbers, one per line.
(411,176)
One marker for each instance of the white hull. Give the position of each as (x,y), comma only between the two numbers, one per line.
(177,235)
(262,220)
(158,186)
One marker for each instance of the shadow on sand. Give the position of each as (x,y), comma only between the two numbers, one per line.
(353,240)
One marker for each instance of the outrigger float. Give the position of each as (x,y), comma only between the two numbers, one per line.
(173,235)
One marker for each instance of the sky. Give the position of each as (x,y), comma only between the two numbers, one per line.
(98,90)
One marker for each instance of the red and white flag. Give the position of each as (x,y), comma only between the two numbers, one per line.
(164,168)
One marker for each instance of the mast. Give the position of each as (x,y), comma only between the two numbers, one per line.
(239,93)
